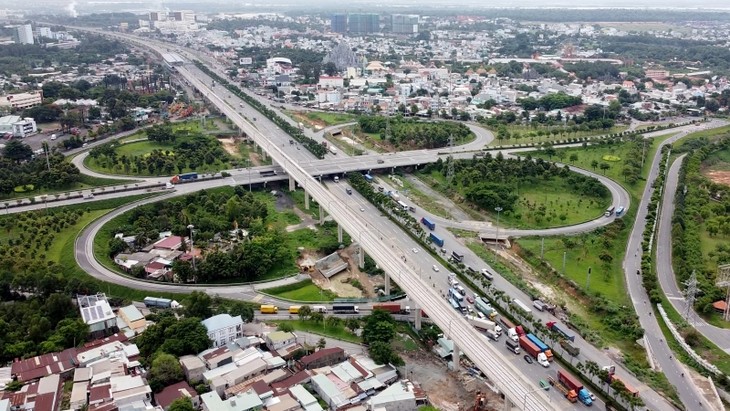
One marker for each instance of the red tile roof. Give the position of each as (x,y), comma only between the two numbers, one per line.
(283,385)
(321,353)
(261,387)
(100,393)
(46,402)
(171,243)
(43,365)
(172,392)
(101,341)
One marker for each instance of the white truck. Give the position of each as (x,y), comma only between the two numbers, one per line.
(485,325)
(337,179)
(512,334)
(319,309)
(332,149)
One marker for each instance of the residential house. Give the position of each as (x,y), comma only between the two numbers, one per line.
(132,317)
(97,314)
(223,328)
(237,375)
(280,339)
(178,390)
(40,366)
(397,397)
(193,367)
(129,389)
(334,395)
(305,399)
(248,401)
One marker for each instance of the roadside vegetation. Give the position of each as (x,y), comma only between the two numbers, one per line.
(410,134)
(320,119)
(528,193)
(302,291)
(701,223)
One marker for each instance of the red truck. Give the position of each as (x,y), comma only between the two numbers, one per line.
(392,308)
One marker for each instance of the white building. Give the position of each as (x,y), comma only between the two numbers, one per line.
(280,339)
(97,313)
(223,328)
(24,34)
(241,402)
(18,127)
(45,32)
(21,100)
(397,397)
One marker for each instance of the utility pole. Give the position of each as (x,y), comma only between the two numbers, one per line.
(450,169)
(588,279)
(690,294)
(47,151)
(565,254)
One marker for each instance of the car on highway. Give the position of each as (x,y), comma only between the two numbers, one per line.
(362,208)
(544,385)
(349,191)
(470,300)
(435,268)
(380,161)
(415,250)
(528,359)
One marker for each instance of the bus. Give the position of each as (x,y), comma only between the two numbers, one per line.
(455,294)
(403,205)
(454,304)
(609,211)
(457,257)
(619,211)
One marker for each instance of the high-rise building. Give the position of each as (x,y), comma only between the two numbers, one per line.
(24,34)
(183,15)
(339,23)
(361,23)
(404,23)
(158,16)
(45,32)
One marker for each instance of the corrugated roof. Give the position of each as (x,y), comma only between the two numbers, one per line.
(220,321)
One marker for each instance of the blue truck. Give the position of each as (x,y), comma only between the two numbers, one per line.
(428,223)
(184,177)
(436,239)
(369,178)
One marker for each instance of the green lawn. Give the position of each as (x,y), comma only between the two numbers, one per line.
(330,119)
(337,332)
(711,134)
(422,200)
(525,138)
(304,291)
(85,182)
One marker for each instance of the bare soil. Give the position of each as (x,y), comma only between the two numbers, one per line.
(447,390)
(230,145)
(340,283)
(719,176)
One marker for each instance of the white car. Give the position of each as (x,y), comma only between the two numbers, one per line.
(415,250)
(362,208)
(435,268)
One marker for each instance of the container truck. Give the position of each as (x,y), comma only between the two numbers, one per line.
(541,345)
(572,383)
(539,305)
(269,309)
(522,306)
(395,196)
(484,324)
(569,394)
(512,334)
(158,302)
(436,239)
(393,308)
(345,309)
(570,348)
(428,223)
(485,308)
(184,177)
(553,326)
(294,309)
(513,346)
(534,351)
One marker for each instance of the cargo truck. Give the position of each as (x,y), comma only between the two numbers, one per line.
(486,308)
(570,348)
(573,384)
(541,345)
(436,239)
(569,394)
(513,346)
(319,309)
(345,309)
(269,309)
(332,149)
(184,177)
(534,351)
(484,324)
(393,308)
(294,309)
(395,196)
(553,326)
(428,223)
(369,178)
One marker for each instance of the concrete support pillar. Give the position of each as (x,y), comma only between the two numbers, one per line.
(417,316)
(387,284)
(292,184)
(361,258)
(508,406)
(322,214)
(339,233)
(306,200)
(455,356)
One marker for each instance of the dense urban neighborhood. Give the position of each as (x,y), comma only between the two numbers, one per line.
(228,207)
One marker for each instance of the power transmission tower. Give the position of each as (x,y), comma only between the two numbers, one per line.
(723,280)
(690,293)
(450,169)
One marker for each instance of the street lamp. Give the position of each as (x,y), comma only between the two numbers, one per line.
(249,174)
(192,248)
(498,210)
(524,399)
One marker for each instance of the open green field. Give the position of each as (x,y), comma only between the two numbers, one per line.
(304,291)
(528,135)
(330,119)
(338,332)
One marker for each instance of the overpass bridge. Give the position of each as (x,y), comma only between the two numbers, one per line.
(517,389)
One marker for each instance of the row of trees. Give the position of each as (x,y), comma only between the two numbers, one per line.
(20,168)
(550,102)
(412,133)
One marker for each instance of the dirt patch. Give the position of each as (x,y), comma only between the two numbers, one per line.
(230,145)
(719,176)
(352,282)
(447,390)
